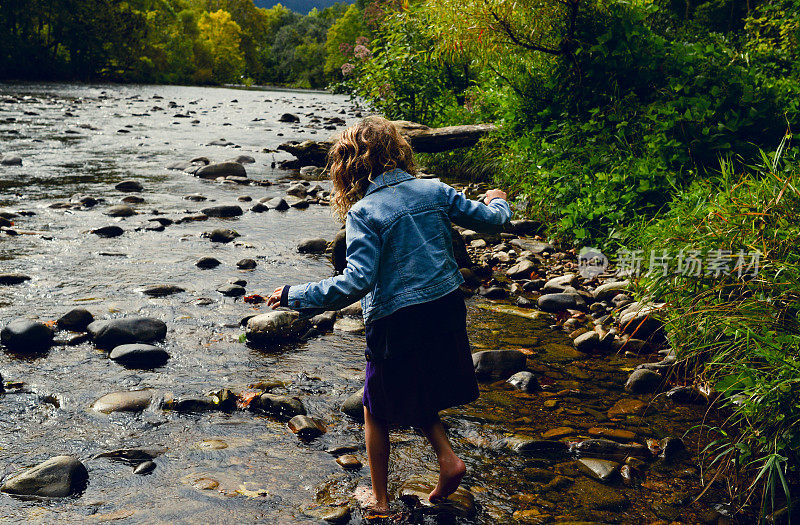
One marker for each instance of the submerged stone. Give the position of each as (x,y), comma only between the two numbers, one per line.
(133,401)
(416,489)
(58,477)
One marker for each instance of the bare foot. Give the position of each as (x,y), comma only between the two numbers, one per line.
(451,471)
(367,500)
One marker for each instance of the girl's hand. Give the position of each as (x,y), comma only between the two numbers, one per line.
(494,194)
(274,300)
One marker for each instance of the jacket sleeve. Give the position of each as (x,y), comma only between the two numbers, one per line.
(476,215)
(357,279)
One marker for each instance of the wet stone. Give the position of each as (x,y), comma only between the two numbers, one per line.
(246,264)
(58,477)
(498,364)
(601,469)
(111,333)
(121,210)
(587,343)
(330,514)
(223,211)
(627,407)
(206,263)
(133,401)
(132,199)
(597,496)
(25,335)
(349,462)
(312,246)
(275,326)
(612,433)
(231,290)
(144,468)
(353,406)
(129,185)
(558,302)
(306,427)
(282,406)
(559,432)
(416,489)
(524,381)
(643,381)
(162,290)
(222,169)
(108,232)
(13,278)
(222,235)
(139,356)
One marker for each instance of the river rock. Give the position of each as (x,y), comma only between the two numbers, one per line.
(524,227)
(132,401)
(600,469)
(108,232)
(243,159)
(324,321)
(587,343)
(672,448)
(58,477)
(522,270)
(277,203)
(26,335)
(627,406)
(607,291)
(685,394)
(297,189)
(559,302)
(558,284)
(146,467)
(353,406)
(222,235)
(306,427)
(11,161)
(643,381)
(339,251)
(206,263)
(497,364)
(288,117)
(349,462)
(282,406)
(129,185)
(162,290)
(416,489)
(606,447)
(493,292)
(139,356)
(221,169)
(524,381)
(597,496)
(313,173)
(231,290)
(312,246)
(246,264)
(641,323)
(226,211)
(273,326)
(330,514)
(75,320)
(122,210)
(297,202)
(536,447)
(110,333)
(13,278)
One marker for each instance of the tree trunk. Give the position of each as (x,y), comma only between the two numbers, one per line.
(422,138)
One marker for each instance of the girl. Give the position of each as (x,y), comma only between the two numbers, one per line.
(400,264)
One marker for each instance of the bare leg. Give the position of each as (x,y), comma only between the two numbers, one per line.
(451,468)
(376,435)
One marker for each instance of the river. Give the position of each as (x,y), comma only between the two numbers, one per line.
(241,466)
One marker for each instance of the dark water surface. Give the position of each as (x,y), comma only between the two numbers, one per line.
(264,473)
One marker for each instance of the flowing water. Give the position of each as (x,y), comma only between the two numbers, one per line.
(242,467)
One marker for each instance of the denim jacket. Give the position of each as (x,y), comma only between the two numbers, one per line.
(399,248)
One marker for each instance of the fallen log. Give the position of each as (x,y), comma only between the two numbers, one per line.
(422,138)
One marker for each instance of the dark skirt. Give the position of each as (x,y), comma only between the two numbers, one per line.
(419,362)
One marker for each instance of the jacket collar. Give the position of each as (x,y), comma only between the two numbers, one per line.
(388,178)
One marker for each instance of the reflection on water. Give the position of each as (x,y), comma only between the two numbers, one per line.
(237,466)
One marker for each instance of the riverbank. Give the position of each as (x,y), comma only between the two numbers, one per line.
(207,437)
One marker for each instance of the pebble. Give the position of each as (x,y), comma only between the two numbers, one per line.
(349,462)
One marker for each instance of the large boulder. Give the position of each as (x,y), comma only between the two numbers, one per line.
(25,335)
(275,326)
(111,333)
(498,364)
(221,169)
(58,477)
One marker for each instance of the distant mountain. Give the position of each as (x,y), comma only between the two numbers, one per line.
(299,6)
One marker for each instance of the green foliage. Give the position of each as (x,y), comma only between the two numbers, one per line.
(341,39)
(740,334)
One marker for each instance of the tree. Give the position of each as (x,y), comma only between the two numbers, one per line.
(221,37)
(341,39)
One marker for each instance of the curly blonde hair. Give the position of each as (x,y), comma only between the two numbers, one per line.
(362,152)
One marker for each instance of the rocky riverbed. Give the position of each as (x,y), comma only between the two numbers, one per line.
(140,229)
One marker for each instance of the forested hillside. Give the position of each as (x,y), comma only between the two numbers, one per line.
(298,6)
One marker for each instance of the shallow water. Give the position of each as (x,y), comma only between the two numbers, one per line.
(264,473)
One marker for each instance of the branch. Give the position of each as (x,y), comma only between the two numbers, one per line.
(509,32)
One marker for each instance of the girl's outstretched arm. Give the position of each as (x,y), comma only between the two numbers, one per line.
(357,279)
(490,217)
